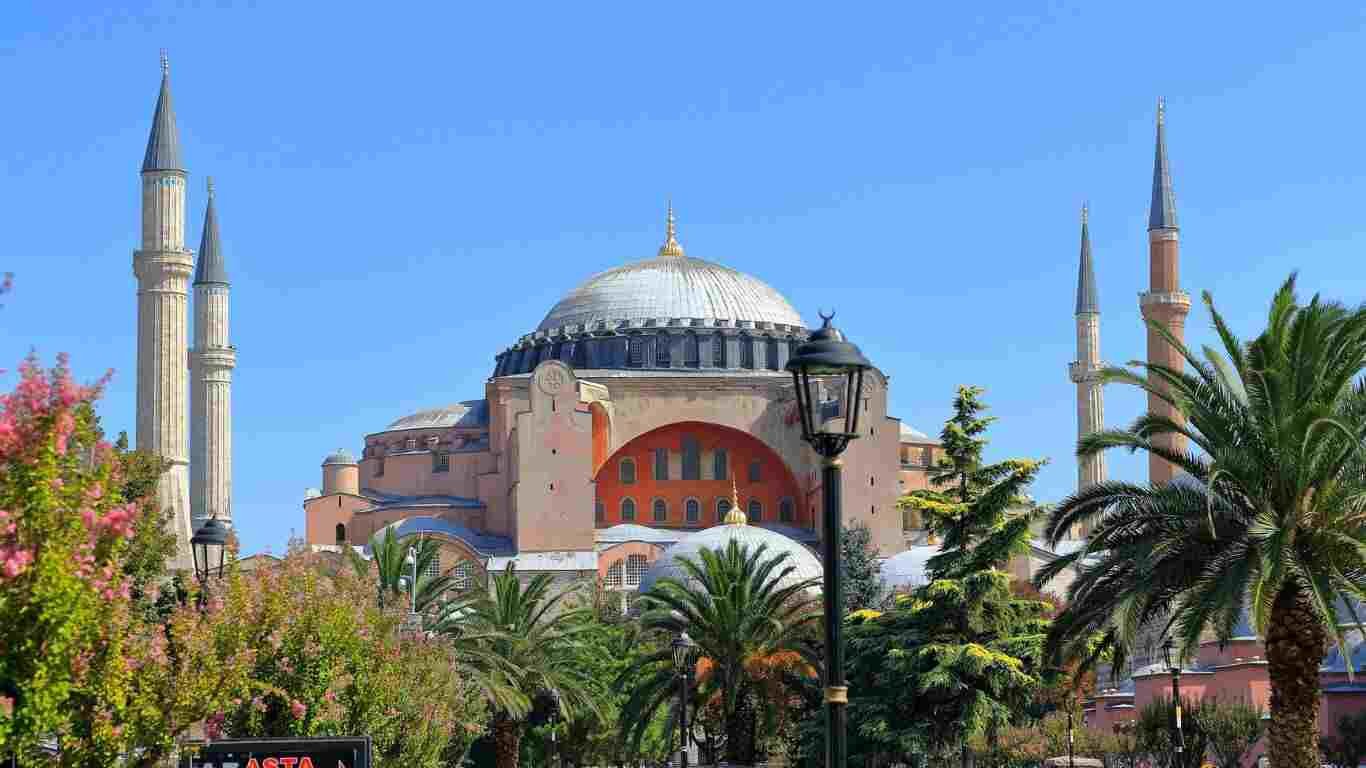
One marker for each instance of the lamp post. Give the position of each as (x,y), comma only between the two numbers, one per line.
(685,650)
(1174,668)
(411,561)
(554,722)
(209,546)
(828,356)
(1070,736)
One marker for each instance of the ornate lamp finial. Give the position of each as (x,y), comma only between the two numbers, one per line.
(208,183)
(736,515)
(165,63)
(670,246)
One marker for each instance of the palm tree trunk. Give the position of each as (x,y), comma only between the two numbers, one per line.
(740,731)
(507,741)
(1295,643)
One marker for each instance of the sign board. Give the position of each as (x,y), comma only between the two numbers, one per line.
(277,753)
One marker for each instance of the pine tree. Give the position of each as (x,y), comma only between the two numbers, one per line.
(863,585)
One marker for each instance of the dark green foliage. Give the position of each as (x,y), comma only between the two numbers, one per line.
(961,656)
(1232,727)
(1346,748)
(863,587)
(1269,517)
(1154,732)
(750,622)
(394,587)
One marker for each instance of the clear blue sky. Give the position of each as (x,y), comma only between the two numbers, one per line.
(404,189)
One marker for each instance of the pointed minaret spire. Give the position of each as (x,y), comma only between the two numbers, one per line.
(163,144)
(736,515)
(1085,370)
(210,268)
(670,246)
(1086,274)
(1162,213)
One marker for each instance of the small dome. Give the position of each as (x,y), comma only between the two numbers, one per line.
(341,456)
(806,564)
(470,413)
(312,493)
(910,434)
(907,569)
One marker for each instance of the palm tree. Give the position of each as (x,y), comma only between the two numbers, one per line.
(389,553)
(1269,519)
(750,621)
(522,643)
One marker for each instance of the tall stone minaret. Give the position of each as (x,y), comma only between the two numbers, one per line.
(162,266)
(1085,370)
(211,364)
(1164,302)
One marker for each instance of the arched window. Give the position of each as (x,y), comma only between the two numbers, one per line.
(693,510)
(635,568)
(661,464)
(718,350)
(771,354)
(692,459)
(785,511)
(722,507)
(691,359)
(662,357)
(628,510)
(626,471)
(635,352)
(410,444)
(614,576)
(756,471)
(462,576)
(599,513)
(746,352)
(341,534)
(756,511)
(720,465)
(661,511)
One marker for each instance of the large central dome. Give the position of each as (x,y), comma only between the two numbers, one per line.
(671,287)
(667,312)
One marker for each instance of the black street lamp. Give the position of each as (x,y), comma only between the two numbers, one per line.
(554,722)
(209,545)
(1070,736)
(685,651)
(1174,668)
(828,358)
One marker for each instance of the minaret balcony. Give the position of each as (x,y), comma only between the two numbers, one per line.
(1081,372)
(1165,298)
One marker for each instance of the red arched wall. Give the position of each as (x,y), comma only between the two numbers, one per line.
(776,481)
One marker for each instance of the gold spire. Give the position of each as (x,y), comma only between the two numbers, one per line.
(670,246)
(736,515)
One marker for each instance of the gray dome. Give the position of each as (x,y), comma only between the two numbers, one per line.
(470,413)
(806,564)
(669,287)
(907,569)
(342,456)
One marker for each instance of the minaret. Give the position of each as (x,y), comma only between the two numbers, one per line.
(1085,370)
(212,361)
(162,266)
(1164,302)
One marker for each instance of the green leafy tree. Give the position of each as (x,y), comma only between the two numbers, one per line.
(863,585)
(1346,748)
(959,657)
(1232,728)
(524,641)
(1154,732)
(327,661)
(1268,515)
(753,623)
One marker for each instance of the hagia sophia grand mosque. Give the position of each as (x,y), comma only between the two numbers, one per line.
(648,414)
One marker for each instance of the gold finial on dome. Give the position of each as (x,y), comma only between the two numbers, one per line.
(736,515)
(670,246)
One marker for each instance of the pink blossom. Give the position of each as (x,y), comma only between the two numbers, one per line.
(298,709)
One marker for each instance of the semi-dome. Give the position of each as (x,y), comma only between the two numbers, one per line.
(470,413)
(804,562)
